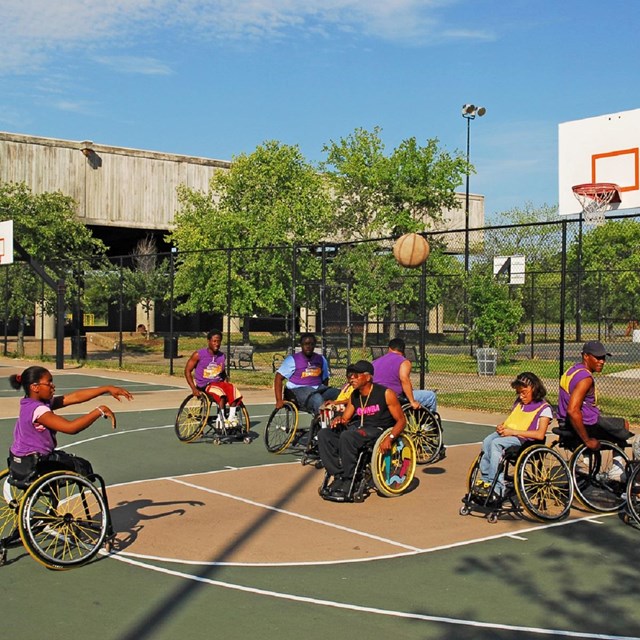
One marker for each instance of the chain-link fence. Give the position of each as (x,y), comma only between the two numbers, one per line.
(526,298)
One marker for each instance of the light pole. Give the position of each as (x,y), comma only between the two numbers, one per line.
(469,113)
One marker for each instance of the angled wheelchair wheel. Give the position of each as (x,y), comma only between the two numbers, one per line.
(426,431)
(474,473)
(543,483)
(281,428)
(598,481)
(63,520)
(633,493)
(192,417)
(392,472)
(10,498)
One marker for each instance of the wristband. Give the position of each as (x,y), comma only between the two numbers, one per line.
(102,413)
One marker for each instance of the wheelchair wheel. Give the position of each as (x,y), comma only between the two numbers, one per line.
(281,428)
(63,520)
(596,484)
(192,417)
(543,483)
(633,493)
(10,498)
(392,473)
(426,431)
(473,474)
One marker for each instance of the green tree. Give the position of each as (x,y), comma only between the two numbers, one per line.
(377,195)
(45,225)
(496,313)
(269,201)
(611,269)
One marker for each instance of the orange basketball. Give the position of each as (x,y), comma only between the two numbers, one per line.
(411,250)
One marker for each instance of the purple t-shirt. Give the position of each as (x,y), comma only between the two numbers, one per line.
(386,371)
(29,436)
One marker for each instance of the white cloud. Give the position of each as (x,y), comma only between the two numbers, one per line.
(135,64)
(34,29)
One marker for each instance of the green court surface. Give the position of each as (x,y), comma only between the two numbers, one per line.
(575,579)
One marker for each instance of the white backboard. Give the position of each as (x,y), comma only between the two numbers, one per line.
(600,149)
(6,242)
(514,266)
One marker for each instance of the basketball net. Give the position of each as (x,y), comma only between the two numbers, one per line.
(595,199)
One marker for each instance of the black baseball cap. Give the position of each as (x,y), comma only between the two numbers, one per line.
(595,348)
(362,366)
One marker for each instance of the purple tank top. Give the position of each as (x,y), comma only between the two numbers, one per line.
(386,371)
(308,372)
(568,382)
(28,437)
(210,368)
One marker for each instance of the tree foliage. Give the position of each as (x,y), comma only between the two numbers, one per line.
(496,313)
(45,225)
(611,269)
(269,201)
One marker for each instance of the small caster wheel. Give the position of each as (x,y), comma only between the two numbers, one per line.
(247,440)
(492,518)
(464,510)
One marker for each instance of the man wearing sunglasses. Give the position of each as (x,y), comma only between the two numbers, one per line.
(577,404)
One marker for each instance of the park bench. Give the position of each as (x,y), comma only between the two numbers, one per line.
(241,357)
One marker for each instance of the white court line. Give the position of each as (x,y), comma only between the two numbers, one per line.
(293,514)
(374,610)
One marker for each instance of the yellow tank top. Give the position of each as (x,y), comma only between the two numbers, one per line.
(520,420)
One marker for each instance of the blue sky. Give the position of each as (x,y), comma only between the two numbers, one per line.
(215,78)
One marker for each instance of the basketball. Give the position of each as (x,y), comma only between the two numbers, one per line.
(411,250)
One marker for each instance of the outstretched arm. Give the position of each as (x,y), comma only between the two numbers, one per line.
(58,423)
(84,395)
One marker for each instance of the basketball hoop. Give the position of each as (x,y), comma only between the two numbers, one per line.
(595,198)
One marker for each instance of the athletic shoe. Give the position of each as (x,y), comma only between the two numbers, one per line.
(636,447)
(442,455)
(616,473)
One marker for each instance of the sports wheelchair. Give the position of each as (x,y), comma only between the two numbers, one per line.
(425,428)
(390,474)
(597,487)
(201,415)
(537,484)
(632,494)
(61,517)
(283,431)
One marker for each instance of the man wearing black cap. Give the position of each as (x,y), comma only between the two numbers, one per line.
(373,408)
(577,401)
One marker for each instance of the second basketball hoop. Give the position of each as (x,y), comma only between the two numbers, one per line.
(596,198)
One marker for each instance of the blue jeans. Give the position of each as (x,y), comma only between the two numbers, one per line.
(426,398)
(311,398)
(493,448)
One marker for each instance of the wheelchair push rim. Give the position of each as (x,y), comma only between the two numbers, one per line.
(63,520)
(593,489)
(281,428)
(633,493)
(393,472)
(192,417)
(426,432)
(10,498)
(543,483)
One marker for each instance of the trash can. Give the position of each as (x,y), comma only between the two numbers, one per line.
(487,361)
(635,337)
(171,347)
(79,347)
(521,338)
